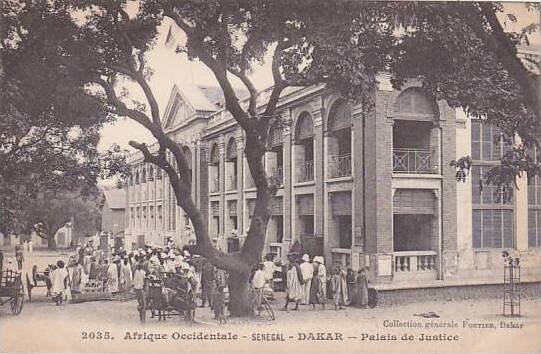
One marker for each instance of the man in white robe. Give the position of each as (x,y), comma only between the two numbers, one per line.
(307,270)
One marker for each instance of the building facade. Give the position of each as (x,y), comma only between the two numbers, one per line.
(364,189)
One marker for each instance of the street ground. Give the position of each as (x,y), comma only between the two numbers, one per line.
(472,325)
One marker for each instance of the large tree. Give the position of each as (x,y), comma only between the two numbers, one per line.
(343,44)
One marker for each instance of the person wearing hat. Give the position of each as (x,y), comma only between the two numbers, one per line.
(307,271)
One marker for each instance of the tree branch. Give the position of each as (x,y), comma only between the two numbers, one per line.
(499,43)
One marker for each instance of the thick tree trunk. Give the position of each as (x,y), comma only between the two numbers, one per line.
(51,243)
(240,300)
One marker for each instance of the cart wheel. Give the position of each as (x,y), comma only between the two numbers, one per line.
(35,275)
(17,299)
(29,286)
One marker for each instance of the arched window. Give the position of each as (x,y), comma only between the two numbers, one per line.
(231,164)
(158,173)
(137,177)
(131,180)
(304,149)
(274,158)
(304,128)
(339,140)
(151,173)
(415,102)
(214,155)
(188,156)
(214,169)
(414,133)
(144,176)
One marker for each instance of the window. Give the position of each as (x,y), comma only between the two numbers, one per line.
(489,194)
(487,142)
(151,174)
(493,228)
(493,215)
(534,210)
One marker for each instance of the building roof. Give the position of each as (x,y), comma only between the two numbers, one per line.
(198,98)
(115,198)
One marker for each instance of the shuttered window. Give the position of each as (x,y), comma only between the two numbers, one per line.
(232,206)
(414,201)
(215,208)
(277,206)
(275,136)
(305,204)
(492,228)
(341,203)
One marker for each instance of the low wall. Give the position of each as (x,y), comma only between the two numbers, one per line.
(388,297)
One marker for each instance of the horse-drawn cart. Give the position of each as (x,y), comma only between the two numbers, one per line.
(11,290)
(168,297)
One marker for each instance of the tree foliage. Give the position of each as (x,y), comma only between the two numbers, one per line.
(82,50)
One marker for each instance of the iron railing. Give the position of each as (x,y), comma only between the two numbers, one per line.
(306,172)
(411,161)
(340,166)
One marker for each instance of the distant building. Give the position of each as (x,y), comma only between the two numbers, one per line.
(112,208)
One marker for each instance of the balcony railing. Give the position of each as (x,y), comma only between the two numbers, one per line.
(415,261)
(306,172)
(232,185)
(412,161)
(340,166)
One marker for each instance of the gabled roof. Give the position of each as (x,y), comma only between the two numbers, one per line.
(115,198)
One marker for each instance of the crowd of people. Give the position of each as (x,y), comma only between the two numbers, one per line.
(307,283)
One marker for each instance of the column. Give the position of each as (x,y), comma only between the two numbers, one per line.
(221,183)
(288,184)
(240,181)
(317,116)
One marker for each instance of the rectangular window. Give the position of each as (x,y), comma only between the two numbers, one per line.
(307,224)
(488,194)
(487,142)
(534,228)
(493,228)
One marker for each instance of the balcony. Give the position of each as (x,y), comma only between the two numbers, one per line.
(306,172)
(415,161)
(340,166)
(415,262)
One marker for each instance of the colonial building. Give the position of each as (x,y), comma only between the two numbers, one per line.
(364,189)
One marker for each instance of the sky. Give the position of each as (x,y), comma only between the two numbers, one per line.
(170,68)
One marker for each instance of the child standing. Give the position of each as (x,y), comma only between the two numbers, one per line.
(59,278)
